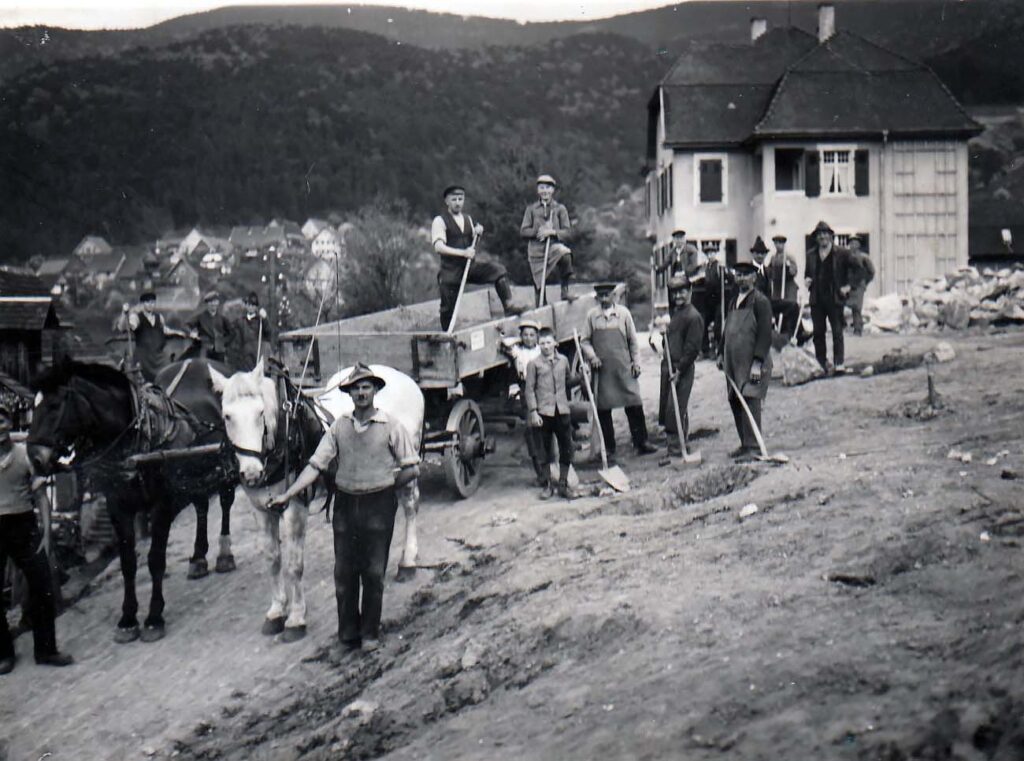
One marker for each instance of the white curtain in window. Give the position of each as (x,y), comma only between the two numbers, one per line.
(837,172)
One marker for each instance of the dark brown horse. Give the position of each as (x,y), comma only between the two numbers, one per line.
(96,417)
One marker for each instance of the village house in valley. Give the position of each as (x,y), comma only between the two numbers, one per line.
(771,136)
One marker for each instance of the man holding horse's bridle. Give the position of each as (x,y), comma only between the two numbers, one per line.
(375,456)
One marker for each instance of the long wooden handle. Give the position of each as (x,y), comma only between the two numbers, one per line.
(750,417)
(462,288)
(675,401)
(590,397)
(544,275)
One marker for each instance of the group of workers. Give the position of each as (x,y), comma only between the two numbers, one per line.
(236,342)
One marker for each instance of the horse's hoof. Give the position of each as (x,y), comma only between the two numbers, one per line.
(197,569)
(405,573)
(272,626)
(153,632)
(225,564)
(124,635)
(293,634)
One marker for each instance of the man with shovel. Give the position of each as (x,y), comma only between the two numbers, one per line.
(608,341)
(682,348)
(781,269)
(454,237)
(745,357)
(547,228)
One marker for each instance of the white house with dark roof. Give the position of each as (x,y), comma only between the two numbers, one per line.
(769,137)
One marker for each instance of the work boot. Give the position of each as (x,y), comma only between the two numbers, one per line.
(504,291)
(738,452)
(55,659)
(566,295)
(7,665)
(564,490)
(644,447)
(548,491)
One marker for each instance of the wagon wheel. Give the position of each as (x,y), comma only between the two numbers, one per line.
(464,459)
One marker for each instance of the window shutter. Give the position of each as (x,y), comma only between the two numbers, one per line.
(865,239)
(730,252)
(860,178)
(812,174)
(670,186)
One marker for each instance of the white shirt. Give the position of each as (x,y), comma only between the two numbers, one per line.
(439,230)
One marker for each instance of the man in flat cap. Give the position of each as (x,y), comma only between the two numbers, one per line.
(608,340)
(682,342)
(375,456)
(211,328)
(781,270)
(454,237)
(252,336)
(745,355)
(546,226)
(149,334)
(826,275)
(522,351)
(862,272)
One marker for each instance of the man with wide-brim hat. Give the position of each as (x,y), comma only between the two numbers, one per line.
(681,342)
(546,226)
(609,342)
(375,456)
(826,275)
(211,328)
(149,334)
(781,271)
(745,355)
(454,236)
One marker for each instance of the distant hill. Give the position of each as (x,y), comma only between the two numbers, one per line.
(238,124)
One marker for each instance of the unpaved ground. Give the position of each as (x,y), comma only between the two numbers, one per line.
(873,608)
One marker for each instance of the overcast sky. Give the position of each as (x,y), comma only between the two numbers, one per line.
(117,14)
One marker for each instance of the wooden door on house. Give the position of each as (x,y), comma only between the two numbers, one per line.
(924,218)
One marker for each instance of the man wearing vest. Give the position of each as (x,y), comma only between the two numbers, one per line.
(149,335)
(548,220)
(454,237)
(375,457)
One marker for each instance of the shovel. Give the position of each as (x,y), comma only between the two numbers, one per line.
(778,458)
(614,476)
(695,458)
(542,296)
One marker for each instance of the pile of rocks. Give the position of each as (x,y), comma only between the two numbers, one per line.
(965,298)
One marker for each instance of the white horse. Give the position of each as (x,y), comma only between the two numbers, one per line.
(252,417)
(403,400)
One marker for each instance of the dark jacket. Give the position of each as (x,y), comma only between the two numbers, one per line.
(827,276)
(684,338)
(748,336)
(774,273)
(215,331)
(862,270)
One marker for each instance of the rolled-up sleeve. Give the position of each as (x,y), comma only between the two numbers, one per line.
(326,450)
(402,450)
(438,231)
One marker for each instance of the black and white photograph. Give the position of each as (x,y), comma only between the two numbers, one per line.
(512,380)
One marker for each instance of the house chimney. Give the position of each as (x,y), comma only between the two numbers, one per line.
(826,21)
(758,26)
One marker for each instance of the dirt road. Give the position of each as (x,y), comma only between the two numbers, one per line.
(872,607)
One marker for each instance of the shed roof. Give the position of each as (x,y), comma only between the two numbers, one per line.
(15,282)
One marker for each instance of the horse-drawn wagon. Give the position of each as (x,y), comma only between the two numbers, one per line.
(464,375)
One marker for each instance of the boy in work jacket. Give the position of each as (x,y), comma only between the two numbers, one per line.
(547,400)
(548,220)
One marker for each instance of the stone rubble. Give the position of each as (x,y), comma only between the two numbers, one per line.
(965,298)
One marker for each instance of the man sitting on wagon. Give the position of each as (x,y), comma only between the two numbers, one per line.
(455,237)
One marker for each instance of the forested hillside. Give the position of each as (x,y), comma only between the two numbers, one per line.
(244,123)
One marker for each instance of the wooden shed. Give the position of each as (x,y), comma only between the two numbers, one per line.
(29,326)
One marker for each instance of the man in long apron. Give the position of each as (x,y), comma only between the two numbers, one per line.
(608,340)
(548,220)
(745,355)
(454,237)
(683,338)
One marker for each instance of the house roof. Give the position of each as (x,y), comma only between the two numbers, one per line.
(52,268)
(93,240)
(850,86)
(20,283)
(27,315)
(786,84)
(110,262)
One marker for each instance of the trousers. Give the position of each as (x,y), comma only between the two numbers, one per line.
(19,538)
(746,433)
(480,273)
(790,312)
(557,428)
(637,426)
(363,526)
(832,314)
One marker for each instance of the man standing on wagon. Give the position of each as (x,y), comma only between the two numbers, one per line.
(149,334)
(454,237)
(547,228)
(375,457)
(608,340)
